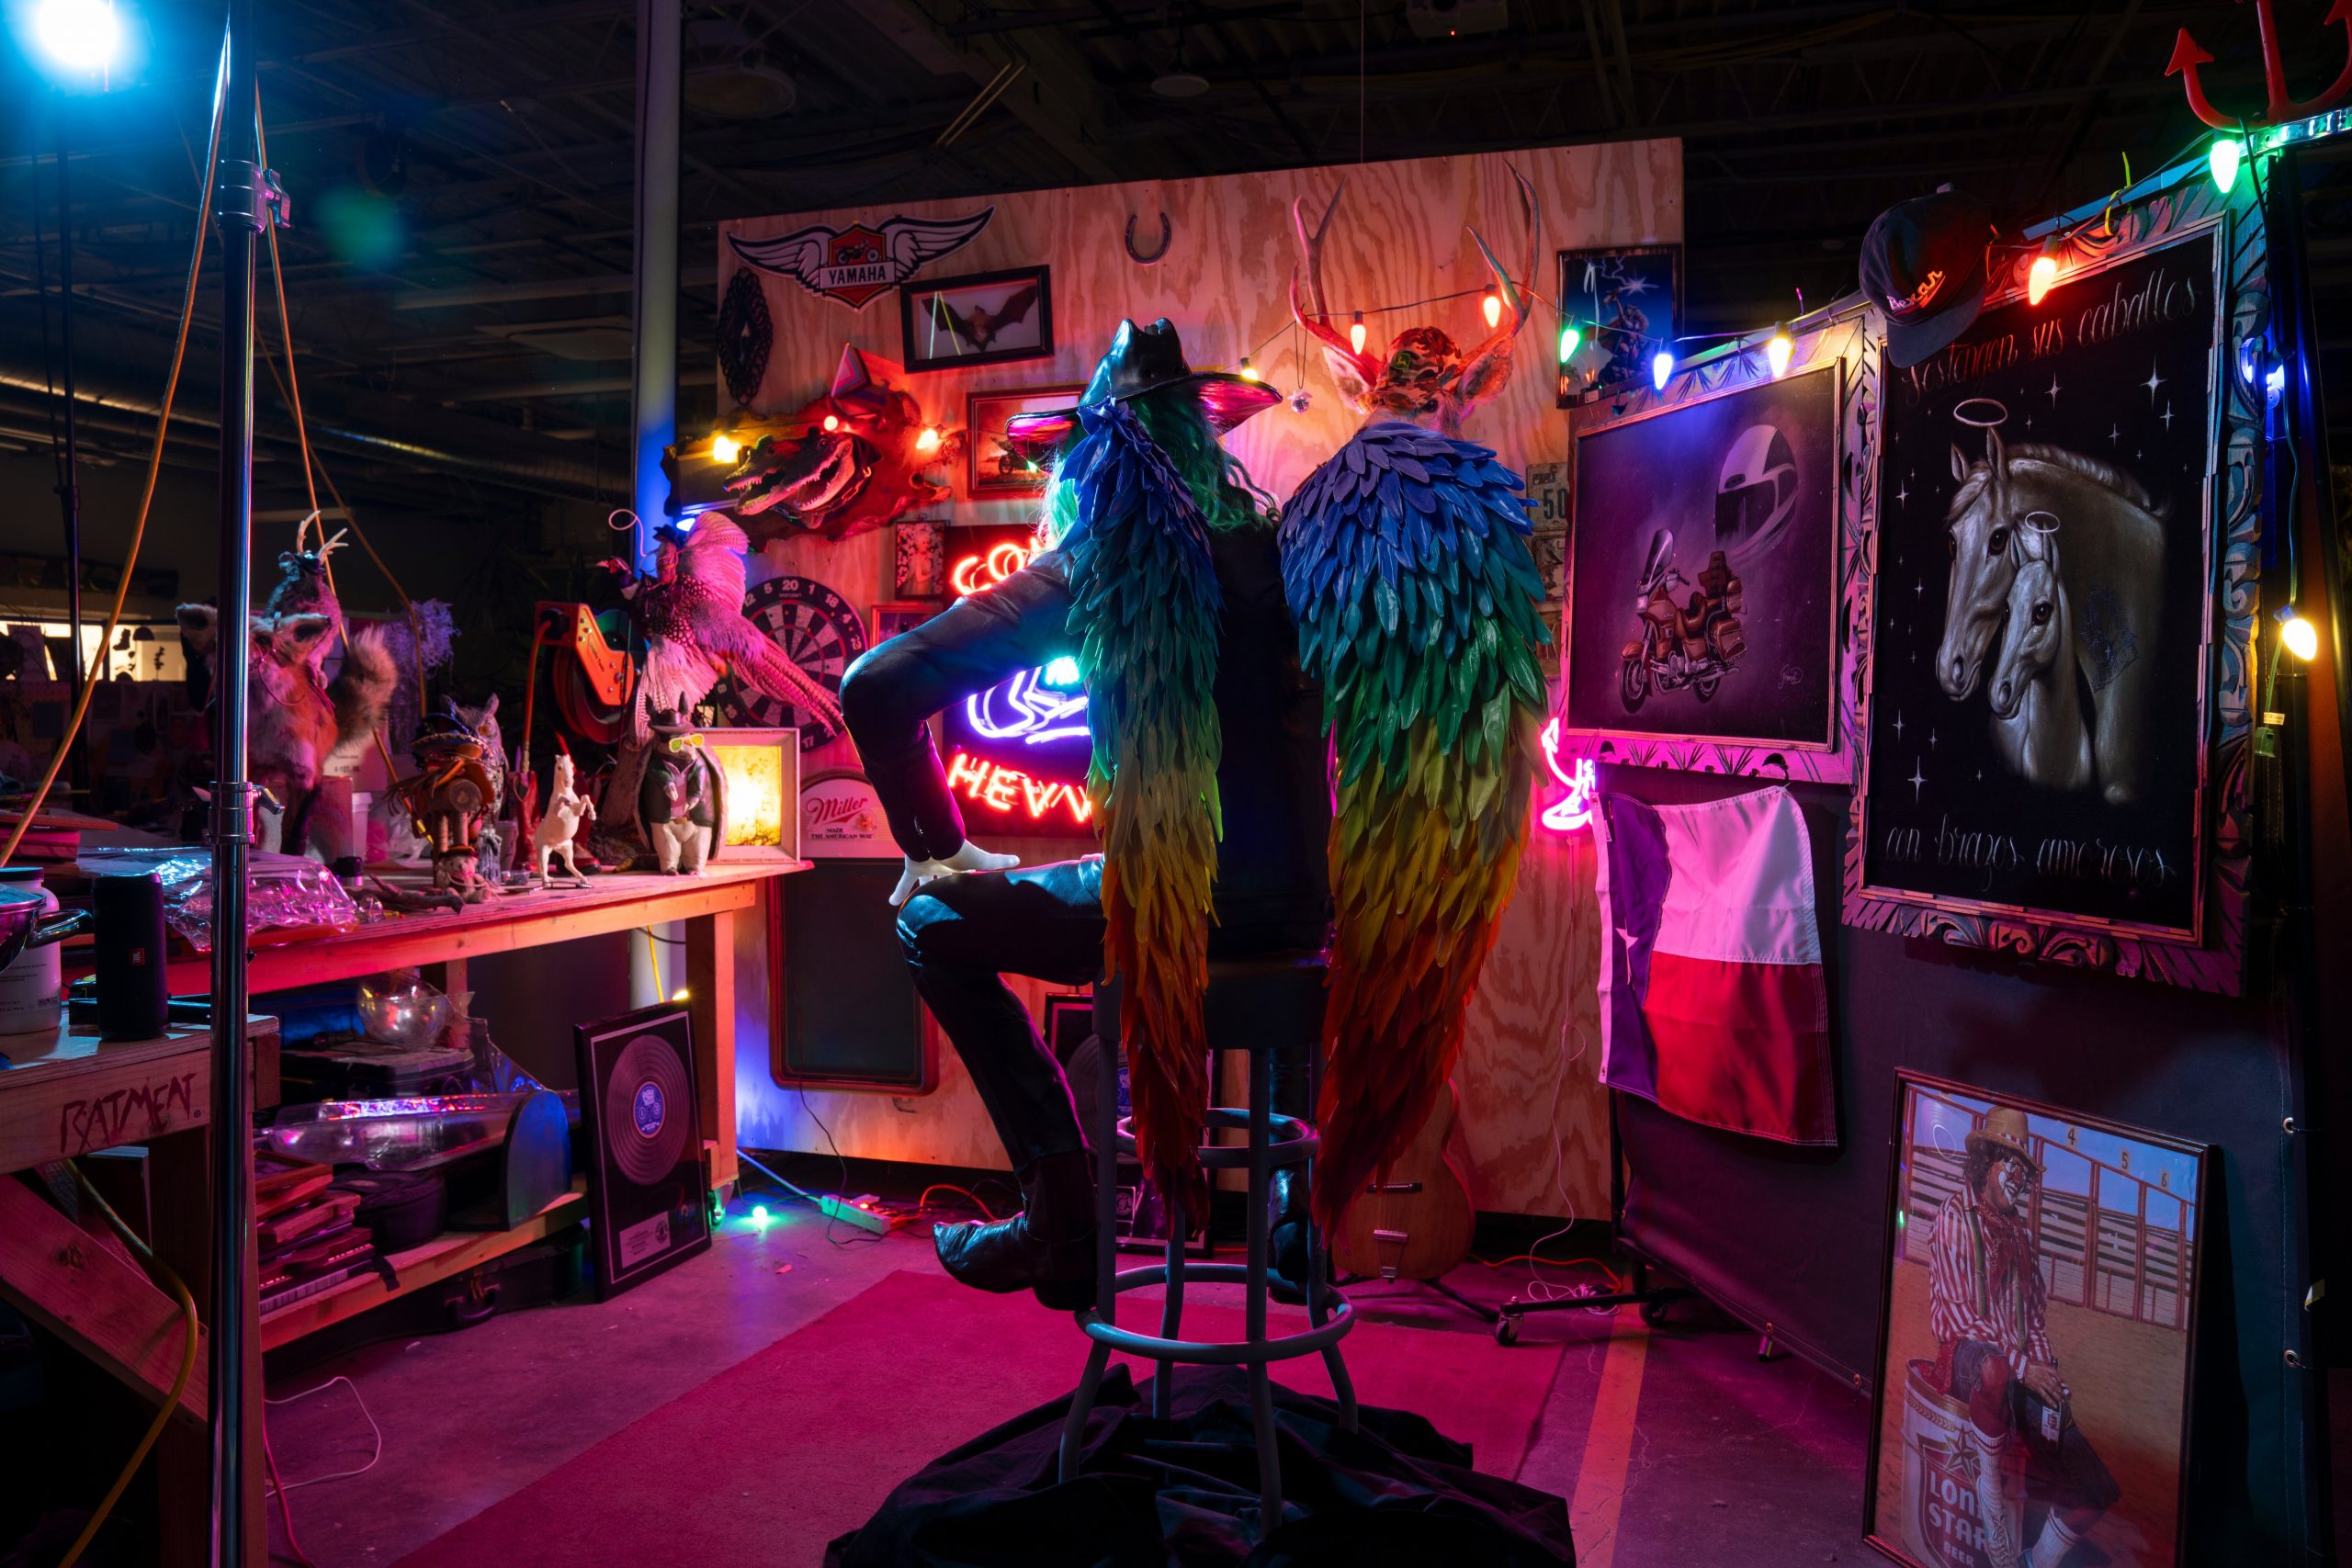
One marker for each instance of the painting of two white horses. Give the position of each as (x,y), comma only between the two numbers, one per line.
(2037,708)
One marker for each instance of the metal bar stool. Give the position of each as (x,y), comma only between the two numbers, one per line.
(1254,1005)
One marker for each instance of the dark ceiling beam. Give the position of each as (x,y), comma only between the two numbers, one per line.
(1055,96)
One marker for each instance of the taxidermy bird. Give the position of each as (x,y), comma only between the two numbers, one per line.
(691,611)
(1407,564)
(979,327)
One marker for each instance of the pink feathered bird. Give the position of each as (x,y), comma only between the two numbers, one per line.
(692,614)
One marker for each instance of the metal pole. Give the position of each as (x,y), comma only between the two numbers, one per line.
(69,494)
(654,410)
(241,209)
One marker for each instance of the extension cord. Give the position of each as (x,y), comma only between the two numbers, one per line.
(856,1214)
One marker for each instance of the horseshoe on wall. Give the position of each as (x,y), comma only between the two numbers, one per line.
(1167,234)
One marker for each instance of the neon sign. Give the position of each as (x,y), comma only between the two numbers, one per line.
(1574,810)
(1008,790)
(1035,707)
(986,568)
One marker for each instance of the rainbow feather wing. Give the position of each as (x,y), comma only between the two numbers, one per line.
(1407,566)
(1144,608)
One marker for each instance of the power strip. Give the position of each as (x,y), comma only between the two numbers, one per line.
(853,1214)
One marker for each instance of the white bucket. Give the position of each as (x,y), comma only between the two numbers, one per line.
(32,988)
(1941,1524)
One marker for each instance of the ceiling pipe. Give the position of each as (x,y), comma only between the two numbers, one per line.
(522,461)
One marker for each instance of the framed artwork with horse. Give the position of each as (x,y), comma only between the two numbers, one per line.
(2055,713)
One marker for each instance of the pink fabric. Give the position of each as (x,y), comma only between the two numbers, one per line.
(769,1461)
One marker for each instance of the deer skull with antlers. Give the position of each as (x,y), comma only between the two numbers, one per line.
(1424,377)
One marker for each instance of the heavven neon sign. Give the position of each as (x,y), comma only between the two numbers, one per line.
(1007,790)
(1574,810)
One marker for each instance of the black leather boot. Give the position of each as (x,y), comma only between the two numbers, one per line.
(1049,1248)
(1290,1090)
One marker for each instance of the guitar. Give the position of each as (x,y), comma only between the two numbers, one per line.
(1417,1224)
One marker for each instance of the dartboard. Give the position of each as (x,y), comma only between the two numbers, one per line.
(818,630)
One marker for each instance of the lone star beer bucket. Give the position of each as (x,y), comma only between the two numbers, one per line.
(1940,1526)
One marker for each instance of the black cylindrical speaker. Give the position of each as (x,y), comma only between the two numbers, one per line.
(133,997)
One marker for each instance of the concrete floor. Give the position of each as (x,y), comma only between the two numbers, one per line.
(1674,1444)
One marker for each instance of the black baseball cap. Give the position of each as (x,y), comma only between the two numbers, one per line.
(1924,265)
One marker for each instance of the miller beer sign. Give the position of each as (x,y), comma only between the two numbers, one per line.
(855,264)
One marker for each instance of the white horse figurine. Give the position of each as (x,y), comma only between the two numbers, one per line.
(567,809)
(2037,710)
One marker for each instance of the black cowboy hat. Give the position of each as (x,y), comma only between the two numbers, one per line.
(1924,262)
(1145,361)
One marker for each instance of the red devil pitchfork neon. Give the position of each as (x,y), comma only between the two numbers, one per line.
(2186,57)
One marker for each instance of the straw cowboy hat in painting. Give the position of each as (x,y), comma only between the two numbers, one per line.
(1145,360)
(2003,1131)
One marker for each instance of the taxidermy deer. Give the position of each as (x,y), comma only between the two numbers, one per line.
(1425,377)
(300,727)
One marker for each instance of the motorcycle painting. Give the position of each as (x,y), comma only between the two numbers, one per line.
(1713,520)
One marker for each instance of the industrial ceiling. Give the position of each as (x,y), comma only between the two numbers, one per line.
(462,174)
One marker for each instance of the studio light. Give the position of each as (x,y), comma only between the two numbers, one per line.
(80,35)
(1777,351)
(1661,366)
(1355,332)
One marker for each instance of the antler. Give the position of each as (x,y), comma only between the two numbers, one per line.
(1353,372)
(1486,367)
(328,546)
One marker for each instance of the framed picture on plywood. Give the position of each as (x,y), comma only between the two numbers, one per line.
(995,468)
(2059,693)
(986,318)
(1703,567)
(2036,1322)
(1626,303)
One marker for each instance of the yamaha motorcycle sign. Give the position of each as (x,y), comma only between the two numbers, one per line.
(855,264)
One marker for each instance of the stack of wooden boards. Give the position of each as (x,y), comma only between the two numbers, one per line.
(310,1237)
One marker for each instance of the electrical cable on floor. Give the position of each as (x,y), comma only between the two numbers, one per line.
(162,1273)
(365,1415)
(974,1199)
(147,495)
(794,1188)
(284,1509)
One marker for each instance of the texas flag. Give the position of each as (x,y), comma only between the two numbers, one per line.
(1712,999)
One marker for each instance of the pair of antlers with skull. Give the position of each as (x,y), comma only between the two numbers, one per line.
(1424,376)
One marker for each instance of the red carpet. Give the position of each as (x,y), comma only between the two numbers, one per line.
(767,1462)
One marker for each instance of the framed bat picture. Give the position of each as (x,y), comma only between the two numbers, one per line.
(2036,1322)
(986,318)
(2059,690)
(996,470)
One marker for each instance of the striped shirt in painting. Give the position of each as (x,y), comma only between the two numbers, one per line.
(1983,1284)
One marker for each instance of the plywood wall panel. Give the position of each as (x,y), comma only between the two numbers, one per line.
(1400,236)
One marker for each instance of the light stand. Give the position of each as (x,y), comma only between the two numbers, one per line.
(69,493)
(242,204)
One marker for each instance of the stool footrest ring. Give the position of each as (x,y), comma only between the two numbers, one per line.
(1212,1353)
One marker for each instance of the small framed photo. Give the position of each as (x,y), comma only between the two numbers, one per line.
(2035,1333)
(1627,301)
(994,467)
(984,318)
(892,617)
